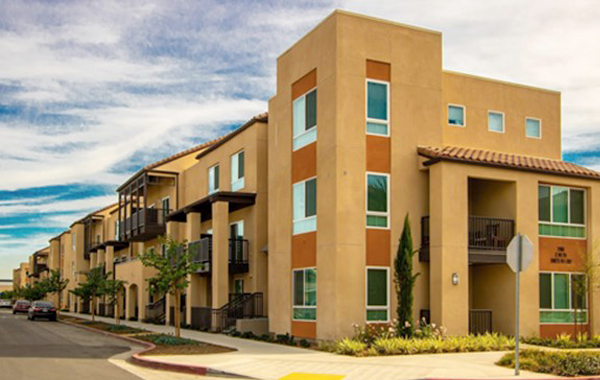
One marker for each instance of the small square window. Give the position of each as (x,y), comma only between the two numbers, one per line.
(496,122)
(533,128)
(456,115)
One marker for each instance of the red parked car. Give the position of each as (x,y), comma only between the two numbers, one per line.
(21,307)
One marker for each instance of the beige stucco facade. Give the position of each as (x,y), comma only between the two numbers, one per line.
(463,210)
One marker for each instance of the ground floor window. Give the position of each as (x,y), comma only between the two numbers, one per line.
(378,297)
(305,294)
(561,294)
(238,286)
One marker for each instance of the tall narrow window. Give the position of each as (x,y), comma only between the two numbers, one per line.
(533,128)
(74,240)
(378,200)
(166,208)
(305,294)
(456,115)
(378,113)
(305,119)
(561,211)
(305,206)
(237,171)
(213,179)
(496,121)
(378,302)
(117,230)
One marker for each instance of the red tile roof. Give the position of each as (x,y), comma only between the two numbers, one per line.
(506,160)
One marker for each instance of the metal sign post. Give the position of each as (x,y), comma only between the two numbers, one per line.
(519,254)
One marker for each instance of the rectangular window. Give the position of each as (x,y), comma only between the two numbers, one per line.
(213,179)
(305,206)
(305,119)
(378,110)
(533,128)
(238,286)
(561,211)
(496,121)
(237,171)
(378,200)
(74,240)
(305,294)
(456,115)
(166,208)
(117,230)
(378,284)
(561,295)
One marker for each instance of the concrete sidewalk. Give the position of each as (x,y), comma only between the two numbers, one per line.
(273,361)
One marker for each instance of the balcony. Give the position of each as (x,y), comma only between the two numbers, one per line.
(488,239)
(143,225)
(38,268)
(202,254)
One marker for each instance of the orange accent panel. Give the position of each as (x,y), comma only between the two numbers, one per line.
(304,84)
(304,162)
(378,154)
(562,255)
(304,250)
(301,329)
(379,70)
(378,247)
(551,331)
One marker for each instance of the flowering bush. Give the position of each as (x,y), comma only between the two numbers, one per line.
(371,332)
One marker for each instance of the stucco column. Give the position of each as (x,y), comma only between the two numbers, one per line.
(448,203)
(168,303)
(127,302)
(593,229)
(110,259)
(192,234)
(220,256)
(142,302)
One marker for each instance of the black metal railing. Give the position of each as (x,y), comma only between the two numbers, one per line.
(201,252)
(156,312)
(480,321)
(487,238)
(246,306)
(144,224)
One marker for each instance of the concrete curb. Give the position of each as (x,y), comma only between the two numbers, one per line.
(142,361)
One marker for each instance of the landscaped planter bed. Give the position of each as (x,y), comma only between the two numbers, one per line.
(165,344)
(561,363)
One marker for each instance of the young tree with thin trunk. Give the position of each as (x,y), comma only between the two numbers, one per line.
(404,280)
(56,285)
(172,270)
(113,290)
(583,285)
(92,288)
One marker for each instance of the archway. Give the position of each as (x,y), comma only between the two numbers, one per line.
(132,302)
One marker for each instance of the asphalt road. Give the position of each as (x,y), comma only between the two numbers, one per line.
(55,351)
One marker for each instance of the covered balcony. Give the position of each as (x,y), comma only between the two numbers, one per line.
(491,223)
(202,254)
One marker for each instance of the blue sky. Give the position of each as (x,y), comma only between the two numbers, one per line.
(91,91)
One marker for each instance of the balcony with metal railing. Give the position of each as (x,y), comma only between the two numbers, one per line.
(487,240)
(202,254)
(143,224)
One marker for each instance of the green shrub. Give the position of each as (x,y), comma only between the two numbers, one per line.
(350,347)
(247,335)
(304,343)
(410,346)
(565,341)
(561,363)
(168,340)
(327,345)
(285,339)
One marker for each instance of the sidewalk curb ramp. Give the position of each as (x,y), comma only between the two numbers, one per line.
(142,361)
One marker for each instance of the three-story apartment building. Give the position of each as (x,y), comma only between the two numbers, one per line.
(302,210)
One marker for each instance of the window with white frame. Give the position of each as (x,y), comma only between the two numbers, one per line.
(378,294)
(237,171)
(305,294)
(561,211)
(305,119)
(305,206)
(213,179)
(456,115)
(533,128)
(496,121)
(117,230)
(562,294)
(166,207)
(378,200)
(378,111)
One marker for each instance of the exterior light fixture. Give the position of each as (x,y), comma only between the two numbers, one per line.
(454,278)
